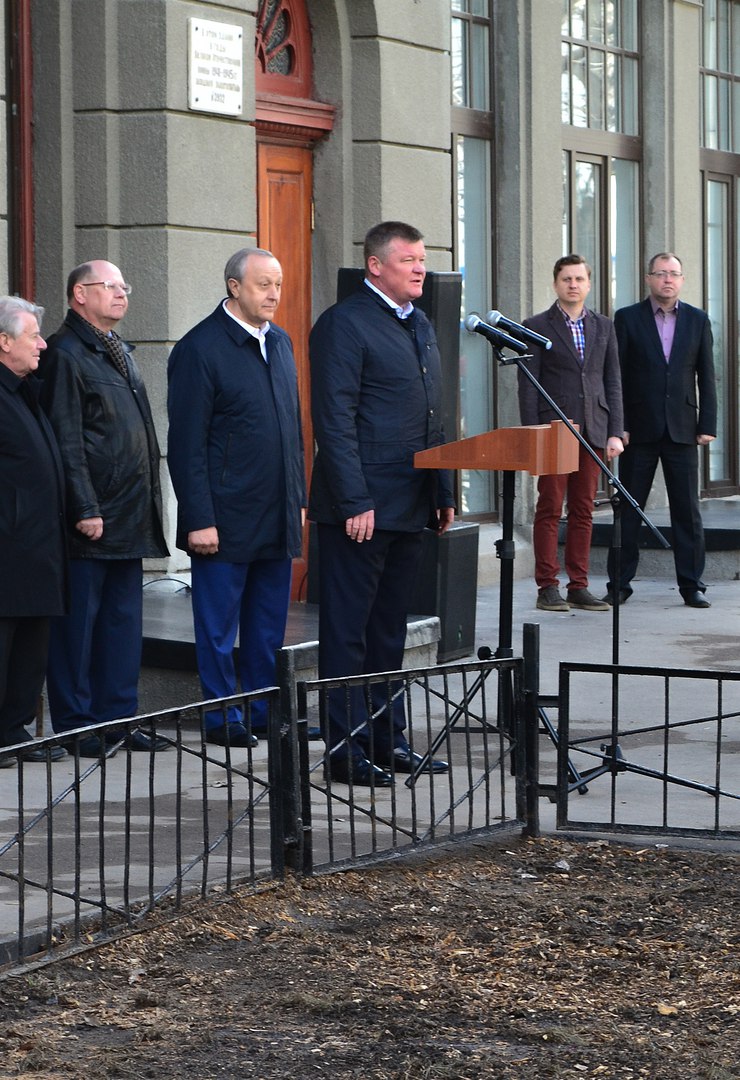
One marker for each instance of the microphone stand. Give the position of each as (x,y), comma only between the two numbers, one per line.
(613,760)
(619,496)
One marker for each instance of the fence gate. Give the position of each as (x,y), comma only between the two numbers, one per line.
(643,749)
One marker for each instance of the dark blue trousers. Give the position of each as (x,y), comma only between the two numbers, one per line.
(95,651)
(253,598)
(364,595)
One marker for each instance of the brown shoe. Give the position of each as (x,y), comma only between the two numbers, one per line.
(549,599)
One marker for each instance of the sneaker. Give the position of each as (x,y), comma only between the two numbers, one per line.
(549,599)
(586,601)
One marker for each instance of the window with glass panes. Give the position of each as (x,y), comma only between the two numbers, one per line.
(472,137)
(601,145)
(720,159)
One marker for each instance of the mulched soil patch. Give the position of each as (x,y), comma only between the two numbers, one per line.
(546,958)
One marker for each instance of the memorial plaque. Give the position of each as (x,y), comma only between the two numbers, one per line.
(216,67)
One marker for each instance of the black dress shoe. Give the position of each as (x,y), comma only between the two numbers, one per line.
(33,753)
(695,599)
(89,746)
(139,740)
(623,596)
(358,772)
(237,735)
(407,762)
(39,753)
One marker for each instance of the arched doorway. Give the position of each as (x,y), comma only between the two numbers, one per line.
(289,123)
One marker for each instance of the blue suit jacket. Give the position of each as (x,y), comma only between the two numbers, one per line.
(235,448)
(376,399)
(679,397)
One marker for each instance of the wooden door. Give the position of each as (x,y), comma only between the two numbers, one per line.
(284,205)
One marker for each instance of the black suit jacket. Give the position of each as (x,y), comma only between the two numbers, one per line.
(678,398)
(376,398)
(590,394)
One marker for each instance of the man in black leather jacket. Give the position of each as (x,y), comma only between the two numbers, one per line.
(95,398)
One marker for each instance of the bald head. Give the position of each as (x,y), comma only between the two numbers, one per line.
(97,291)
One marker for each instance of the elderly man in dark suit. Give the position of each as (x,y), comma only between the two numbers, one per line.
(581,375)
(376,400)
(236,460)
(670,409)
(33,569)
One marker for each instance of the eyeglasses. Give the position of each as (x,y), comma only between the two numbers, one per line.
(666,273)
(120,285)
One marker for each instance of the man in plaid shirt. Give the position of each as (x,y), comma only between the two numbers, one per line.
(581,374)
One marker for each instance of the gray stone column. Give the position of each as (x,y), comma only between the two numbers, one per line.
(671,178)
(125,171)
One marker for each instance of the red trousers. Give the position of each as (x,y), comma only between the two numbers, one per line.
(579,490)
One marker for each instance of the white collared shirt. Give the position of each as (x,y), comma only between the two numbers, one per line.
(258,332)
(402,312)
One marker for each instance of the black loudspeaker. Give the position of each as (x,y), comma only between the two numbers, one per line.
(447,586)
(440,301)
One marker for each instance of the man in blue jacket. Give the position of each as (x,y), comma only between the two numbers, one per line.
(236,461)
(376,399)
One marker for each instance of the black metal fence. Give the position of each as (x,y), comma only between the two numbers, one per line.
(469,716)
(654,749)
(92,845)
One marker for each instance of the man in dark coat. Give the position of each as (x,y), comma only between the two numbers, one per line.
(670,410)
(95,398)
(33,568)
(376,400)
(236,461)
(581,374)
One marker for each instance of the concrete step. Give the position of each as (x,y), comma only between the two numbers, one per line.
(169,639)
(721,519)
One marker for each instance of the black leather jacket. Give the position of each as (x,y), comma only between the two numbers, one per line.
(104,427)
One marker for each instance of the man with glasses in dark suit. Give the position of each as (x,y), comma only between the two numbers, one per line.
(670,410)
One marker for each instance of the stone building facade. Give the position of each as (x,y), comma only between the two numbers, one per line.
(508,131)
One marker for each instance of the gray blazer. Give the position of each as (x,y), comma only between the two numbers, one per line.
(590,394)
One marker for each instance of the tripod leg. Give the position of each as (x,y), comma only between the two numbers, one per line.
(573,773)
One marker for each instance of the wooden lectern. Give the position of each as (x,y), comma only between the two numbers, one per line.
(541,449)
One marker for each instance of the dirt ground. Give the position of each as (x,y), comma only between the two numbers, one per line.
(545,958)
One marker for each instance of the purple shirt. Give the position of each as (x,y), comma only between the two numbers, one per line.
(665,322)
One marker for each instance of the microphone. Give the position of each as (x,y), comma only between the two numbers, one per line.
(475,325)
(495,318)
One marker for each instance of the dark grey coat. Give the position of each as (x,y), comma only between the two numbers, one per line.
(104,427)
(590,394)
